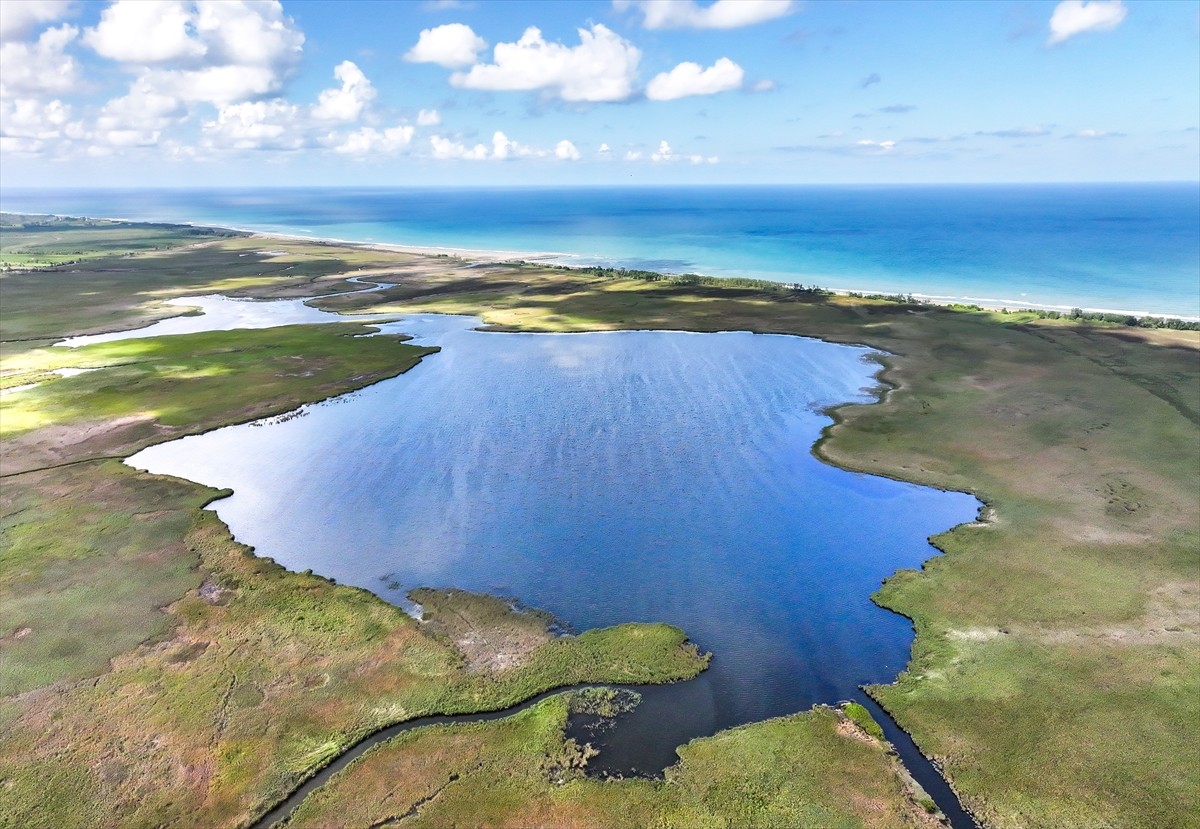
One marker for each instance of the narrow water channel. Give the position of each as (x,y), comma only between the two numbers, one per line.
(919,766)
(922,770)
(285,808)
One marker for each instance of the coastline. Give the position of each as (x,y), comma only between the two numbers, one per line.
(497,256)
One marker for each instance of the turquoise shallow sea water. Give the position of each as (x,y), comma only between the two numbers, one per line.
(1130,248)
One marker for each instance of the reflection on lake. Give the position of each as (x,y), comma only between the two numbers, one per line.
(606,478)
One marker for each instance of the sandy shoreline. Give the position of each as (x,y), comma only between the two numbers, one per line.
(484,256)
(489,257)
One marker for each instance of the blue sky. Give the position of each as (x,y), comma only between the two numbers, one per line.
(222,92)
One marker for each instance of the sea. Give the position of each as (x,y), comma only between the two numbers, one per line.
(1124,248)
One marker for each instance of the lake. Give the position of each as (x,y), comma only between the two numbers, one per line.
(607,477)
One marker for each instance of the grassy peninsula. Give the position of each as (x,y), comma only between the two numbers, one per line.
(155,671)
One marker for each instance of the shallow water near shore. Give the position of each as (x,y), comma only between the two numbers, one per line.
(608,477)
(1116,247)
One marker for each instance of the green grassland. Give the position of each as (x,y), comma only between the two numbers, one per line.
(250,681)
(1055,672)
(516,773)
(146,390)
(45,241)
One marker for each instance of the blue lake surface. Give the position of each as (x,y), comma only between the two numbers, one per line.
(1117,247)
(608,477)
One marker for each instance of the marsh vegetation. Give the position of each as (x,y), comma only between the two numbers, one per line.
(158,672)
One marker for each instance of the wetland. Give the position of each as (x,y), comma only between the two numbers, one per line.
(157,671)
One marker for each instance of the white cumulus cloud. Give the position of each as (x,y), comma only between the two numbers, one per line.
(502,148)
(347,102)
(279,124)
(690,79)
(602,67)
(146,31)
(1071,17)
(39,67)
(218,85)
(256,125)
(428,118)
(138,117)
(667,154)
(370,141)
(723,14)
(160,98)
(240,32)
(448,148)
(29,126)
(19,19)
(452,45)
(218,51)
(30,118)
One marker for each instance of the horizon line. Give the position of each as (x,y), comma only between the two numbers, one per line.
(600,185)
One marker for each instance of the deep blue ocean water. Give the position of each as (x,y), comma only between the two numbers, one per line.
(1132,248)
(609,477)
